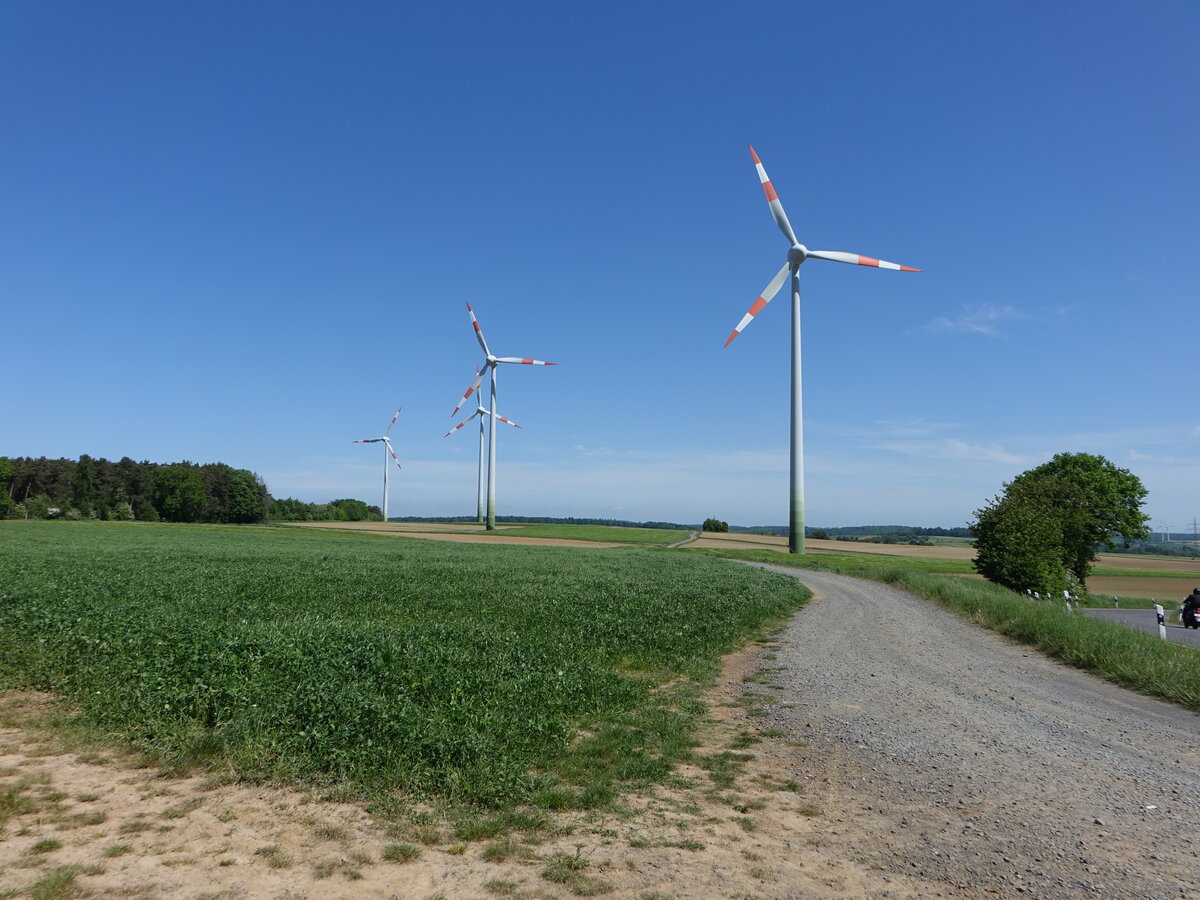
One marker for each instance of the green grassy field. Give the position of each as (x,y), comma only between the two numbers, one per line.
(614,534)
(453,671)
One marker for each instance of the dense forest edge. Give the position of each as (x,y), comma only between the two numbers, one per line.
(127,490)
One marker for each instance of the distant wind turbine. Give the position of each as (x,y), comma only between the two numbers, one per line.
(796,255)
(491,363)
(480,412)
(387,450)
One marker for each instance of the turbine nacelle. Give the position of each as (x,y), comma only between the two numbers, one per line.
(797,254)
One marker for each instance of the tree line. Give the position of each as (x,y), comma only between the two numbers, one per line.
(97,488)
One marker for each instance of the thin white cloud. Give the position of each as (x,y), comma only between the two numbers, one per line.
(1136,456)
(954,449)
(912,428)
(983,318)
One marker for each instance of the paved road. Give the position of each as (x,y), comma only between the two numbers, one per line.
(1146,620)
(940,750)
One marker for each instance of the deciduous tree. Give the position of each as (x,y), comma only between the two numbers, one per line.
(1044,531)
(179,494)
(1097,501)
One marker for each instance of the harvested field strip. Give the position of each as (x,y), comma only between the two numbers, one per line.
(438,669)
(1164,589)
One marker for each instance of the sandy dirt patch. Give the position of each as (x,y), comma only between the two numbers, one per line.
(464,534)
(110,829)
(401,527)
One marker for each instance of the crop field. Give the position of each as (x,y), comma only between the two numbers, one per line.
(441,670)
(608,533)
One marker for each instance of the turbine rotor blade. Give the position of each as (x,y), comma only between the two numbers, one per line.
(524,362)
(473,415)
(368,441)
(478,332)
(507,421)
(474,384)
(856,259)
(395,458)
(763,299)
(781,218)
(393,422)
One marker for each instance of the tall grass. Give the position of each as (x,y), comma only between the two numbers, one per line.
(440,669)
(1119,654)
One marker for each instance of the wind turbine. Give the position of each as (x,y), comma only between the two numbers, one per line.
(387,449)
(491,363)
(796,255)
(479,413)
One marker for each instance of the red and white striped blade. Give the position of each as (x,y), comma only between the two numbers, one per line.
(395,458)
(524,362)
(470,391)
(368,441)
(473,415)
(781,218)
(763,299)
(393,422)
(507,421)
(478,332)
(856,259)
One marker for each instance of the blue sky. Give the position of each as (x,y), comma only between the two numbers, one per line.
(246,232)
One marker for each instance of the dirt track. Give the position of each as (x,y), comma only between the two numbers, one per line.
(979,767)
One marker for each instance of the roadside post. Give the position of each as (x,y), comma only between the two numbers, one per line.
(1162,621)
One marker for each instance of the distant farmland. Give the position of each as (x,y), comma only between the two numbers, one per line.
(1144,577)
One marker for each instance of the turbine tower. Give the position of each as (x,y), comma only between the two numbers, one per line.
(796,255)
(480,412)
(490,365)
(387,449)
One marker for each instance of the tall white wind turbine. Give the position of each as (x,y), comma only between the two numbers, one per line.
(796,255)
(480,413)
(387,450)
(490,365)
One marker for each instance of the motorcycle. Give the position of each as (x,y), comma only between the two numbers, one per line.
(1189,617)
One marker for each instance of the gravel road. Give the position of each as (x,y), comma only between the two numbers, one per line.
(941,751)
